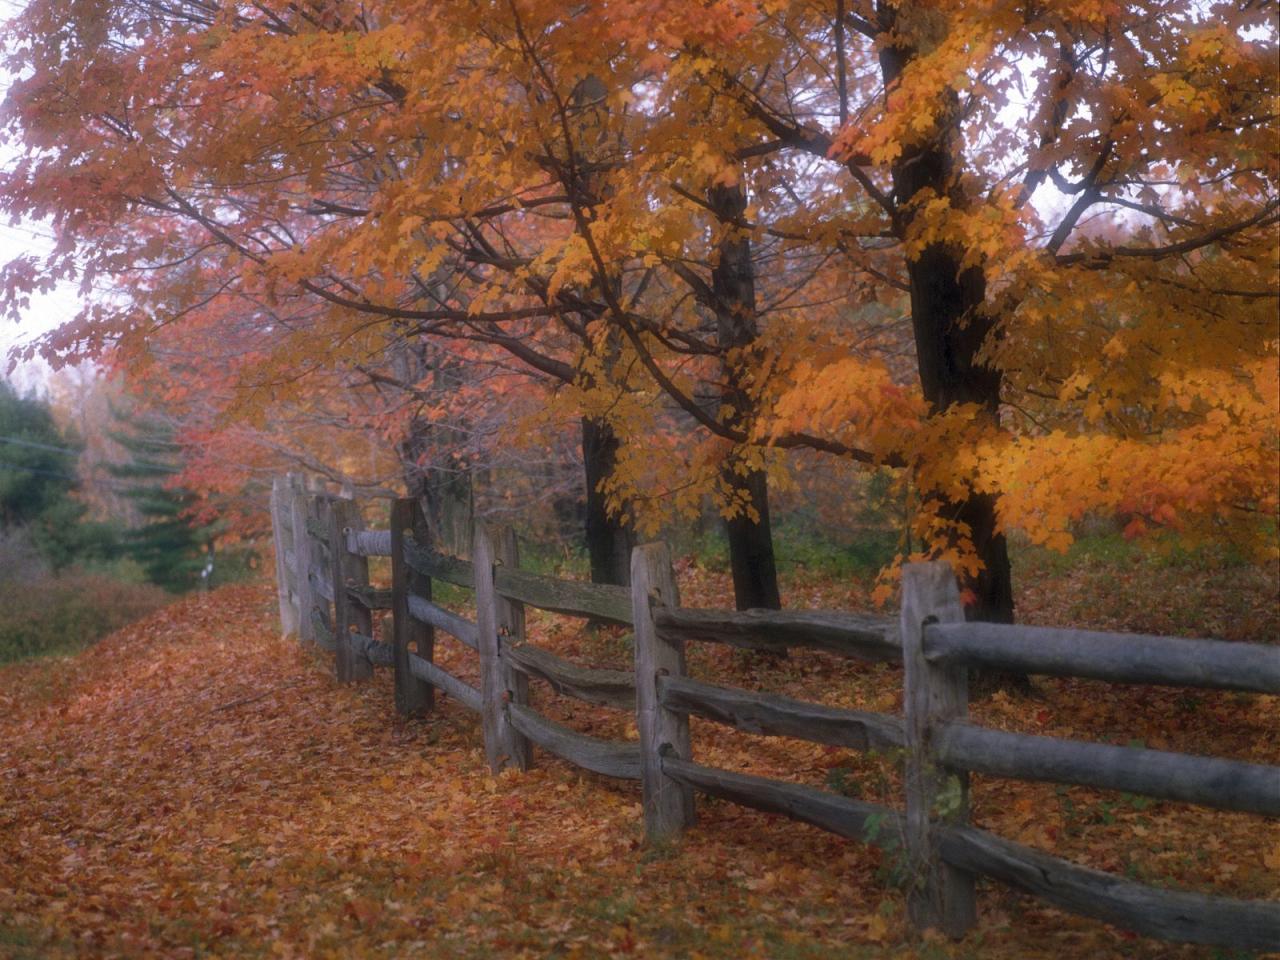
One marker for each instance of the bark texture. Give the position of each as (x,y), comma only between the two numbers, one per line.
(755,573)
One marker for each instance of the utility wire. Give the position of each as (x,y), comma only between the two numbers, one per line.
(105,484)
(18,441)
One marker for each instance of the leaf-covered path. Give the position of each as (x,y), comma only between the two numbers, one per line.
(195,786)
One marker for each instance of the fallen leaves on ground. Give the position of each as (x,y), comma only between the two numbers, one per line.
(196,786)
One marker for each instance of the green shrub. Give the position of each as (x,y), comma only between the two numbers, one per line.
(64,614)
(235,565)
(1095,548)
(861,554)
(554,558)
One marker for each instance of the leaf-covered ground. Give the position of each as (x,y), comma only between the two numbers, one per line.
(196,786)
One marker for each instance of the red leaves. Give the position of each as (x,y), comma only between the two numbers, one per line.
(364,911)
(196,783)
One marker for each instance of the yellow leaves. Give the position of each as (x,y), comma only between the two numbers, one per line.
(574,265)
(1201,473)
(854,400)
(877,928)
(1116,347)
(952,45)
(292,265)
(1058,541)
(991,232)
(857,138)
(1271,857)
(1074,387)
(707,162)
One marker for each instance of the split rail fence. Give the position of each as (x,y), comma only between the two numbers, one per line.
(322,573)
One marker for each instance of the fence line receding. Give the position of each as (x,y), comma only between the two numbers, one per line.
(326,598)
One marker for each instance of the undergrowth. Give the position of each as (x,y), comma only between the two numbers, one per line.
(64,614)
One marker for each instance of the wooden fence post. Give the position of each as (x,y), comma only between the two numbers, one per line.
(510,623)
(510,618)
(348,570)
(941,895)
(413,697)
(499,682)
(668,805)
(281,536)
(318,510)
(301,558)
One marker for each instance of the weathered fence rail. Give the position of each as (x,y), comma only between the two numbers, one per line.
(1208,781)
(854,635)
(778,716)
(326,598)
(1118,657)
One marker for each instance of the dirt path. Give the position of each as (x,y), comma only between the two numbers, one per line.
(194,786)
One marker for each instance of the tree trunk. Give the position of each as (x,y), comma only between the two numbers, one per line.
(755,573)
(432,455)
(445,492)
(950,327)
(450,507)
(609,541)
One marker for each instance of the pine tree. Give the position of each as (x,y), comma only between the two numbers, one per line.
(170,548)
(37,463)
(39,483)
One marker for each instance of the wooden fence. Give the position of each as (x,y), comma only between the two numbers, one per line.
(325,596)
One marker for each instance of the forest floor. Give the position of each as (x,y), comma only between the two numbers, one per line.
(195,786)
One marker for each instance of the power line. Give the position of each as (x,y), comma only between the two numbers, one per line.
(17,441)
(93,482)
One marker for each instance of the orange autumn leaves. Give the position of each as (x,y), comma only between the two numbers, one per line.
(308,189)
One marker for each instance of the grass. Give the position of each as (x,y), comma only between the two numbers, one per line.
(800,547)
(1109,548)
(1108,583)
(64,614)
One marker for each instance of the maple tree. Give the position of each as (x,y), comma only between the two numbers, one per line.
(1067,211)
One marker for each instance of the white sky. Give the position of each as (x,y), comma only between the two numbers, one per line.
(47,311)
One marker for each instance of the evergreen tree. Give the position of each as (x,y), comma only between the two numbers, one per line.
(38,479)
(170,548)
(37,464)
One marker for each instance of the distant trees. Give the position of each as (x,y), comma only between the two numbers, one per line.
(37,463)
(41,503)
(38,483)
(168,543)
